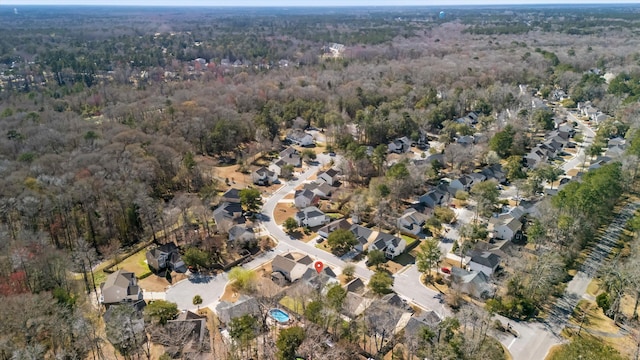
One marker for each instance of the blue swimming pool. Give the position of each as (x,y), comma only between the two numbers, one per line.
(279,316)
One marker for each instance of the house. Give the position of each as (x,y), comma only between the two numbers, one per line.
(232,196)
(617,141)
(192,329)
(435,197)
(320,188)
(228,214)
(330,176)
(391,245)
(484,261)
(435,159)
(320,281)
(411,222)
(355,304)
(394,300)
(278,166)
(476,284)
(291,156)
(245,305)
(311,216)
(356,286)
(165,257)
(614,152)
(504,227)
(362,235)
(416,324)
(465,140)
(399,145)
(333,226)
(494,172)
(300,137)
(241,234)
(568,129)
(289,268)
(463,183)
(385,321)
(305,198)
(264,176)
(120,287)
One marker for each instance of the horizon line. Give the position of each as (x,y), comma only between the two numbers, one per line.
(519,4)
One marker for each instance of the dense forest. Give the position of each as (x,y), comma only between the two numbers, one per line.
(111,117)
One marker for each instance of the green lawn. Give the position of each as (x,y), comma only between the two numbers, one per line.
(409,240)
(136,263)
(292,304)
(334,215)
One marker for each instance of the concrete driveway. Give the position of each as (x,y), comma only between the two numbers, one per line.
(210,288)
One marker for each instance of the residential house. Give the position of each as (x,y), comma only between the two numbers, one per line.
(599,162)
(356,286)
(305,198)
(196,341)
(385,321)
(494,172)
(165,257)
(400,145)
(463,183)
(227,214)
(362,235)
(241,234)
(568,129)
(474,283)
(617,141)
(232,196)
(320,281)
(411,222)
(289,268)
(484,261)
(320,188)
(330,176)
(278,166)
(245,305)
(391,245)
(355,304)
(311,216)
(394,300)
(415,325)
(120,287)
(465,140)
(435,158)
(614,152)
(504,227)
(300,137)
(291,156)
(435,197)
(264,176)
(333,226)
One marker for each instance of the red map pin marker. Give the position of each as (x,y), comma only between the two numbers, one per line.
(319,266)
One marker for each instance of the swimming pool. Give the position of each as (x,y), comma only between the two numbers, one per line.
(279,316)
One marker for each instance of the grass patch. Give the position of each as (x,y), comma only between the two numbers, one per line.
(410,240)
(334,215)
(593,287)
(136,263)
(292,304)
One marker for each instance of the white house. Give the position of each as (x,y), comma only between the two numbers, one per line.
(241,234)
(304,198)
(484,261)
(391,245)
(400,145)
(291,156)
(300,137)
(330,176)
(291,269)
(311,217)
(263,176)
(504,227)
(411,222)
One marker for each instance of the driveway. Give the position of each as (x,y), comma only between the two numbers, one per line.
(210,288)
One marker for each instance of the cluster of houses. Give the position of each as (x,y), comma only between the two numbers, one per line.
(307,198)
(555,142)
(588,110)
(368,239)
(230,218)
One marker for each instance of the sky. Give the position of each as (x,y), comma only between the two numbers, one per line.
(302,2)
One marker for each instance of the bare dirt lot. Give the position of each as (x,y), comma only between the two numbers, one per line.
(284,211)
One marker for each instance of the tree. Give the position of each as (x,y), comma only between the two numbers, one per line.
(501,143)
(375,258)
(161,310)
(251,199)
(196,258)
(341,241)
(513,168)
(381,282)
(242,279)
(586,348)
(290,224)
(348,271)
(308,155)
(543,119)
(289,341)
(243,329)
(445,214)
(197,300)
(428,257)
(335,296)
(486,196)
(125,330)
